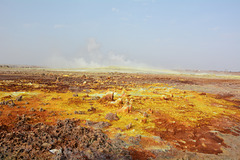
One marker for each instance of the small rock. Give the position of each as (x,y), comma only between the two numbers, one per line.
(19,98)
(144,121)
(98,125)
(26,102)
(79,112)
(101,125)
(46,145)
(127,107)
(131,139)
(118,135)
(89,154)
(108,97)
(56,151)
(95,98)
(119,129)
(3,103)
(111,116)
(32,109)
(11,104)
(135,140)
(84,76)
(166,98)
(87,90)
(138,137)
(28,148)
(129,126)
(75,112)
(75,95)
(150,111)
(118,101)
(92,109)
(18,107)
(41,110)
(89,123)
(145,114)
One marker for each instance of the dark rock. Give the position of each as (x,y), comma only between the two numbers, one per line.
(32,110)
(10,103)
(66,140)
(75,95)
(3,103)
(41,110)
(92,109)
(19,98)
(111,116)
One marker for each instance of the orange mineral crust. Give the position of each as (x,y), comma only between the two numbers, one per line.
(149,115)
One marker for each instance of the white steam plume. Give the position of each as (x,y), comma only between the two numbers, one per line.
(91,57)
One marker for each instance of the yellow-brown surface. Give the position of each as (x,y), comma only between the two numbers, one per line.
(162,112)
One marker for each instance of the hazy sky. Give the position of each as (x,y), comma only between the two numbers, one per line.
(172,34)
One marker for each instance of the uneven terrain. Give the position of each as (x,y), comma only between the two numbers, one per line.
(50,114)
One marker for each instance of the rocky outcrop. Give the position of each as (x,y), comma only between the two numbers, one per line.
(66,140)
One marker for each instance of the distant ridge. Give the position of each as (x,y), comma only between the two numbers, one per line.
(19,66)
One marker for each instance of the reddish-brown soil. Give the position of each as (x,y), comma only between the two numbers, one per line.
(208,138)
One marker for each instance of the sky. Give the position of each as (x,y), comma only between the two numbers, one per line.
(164,34)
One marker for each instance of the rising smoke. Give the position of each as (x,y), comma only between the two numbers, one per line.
(91,57)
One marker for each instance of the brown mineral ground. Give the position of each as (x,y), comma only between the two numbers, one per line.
(50,114)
